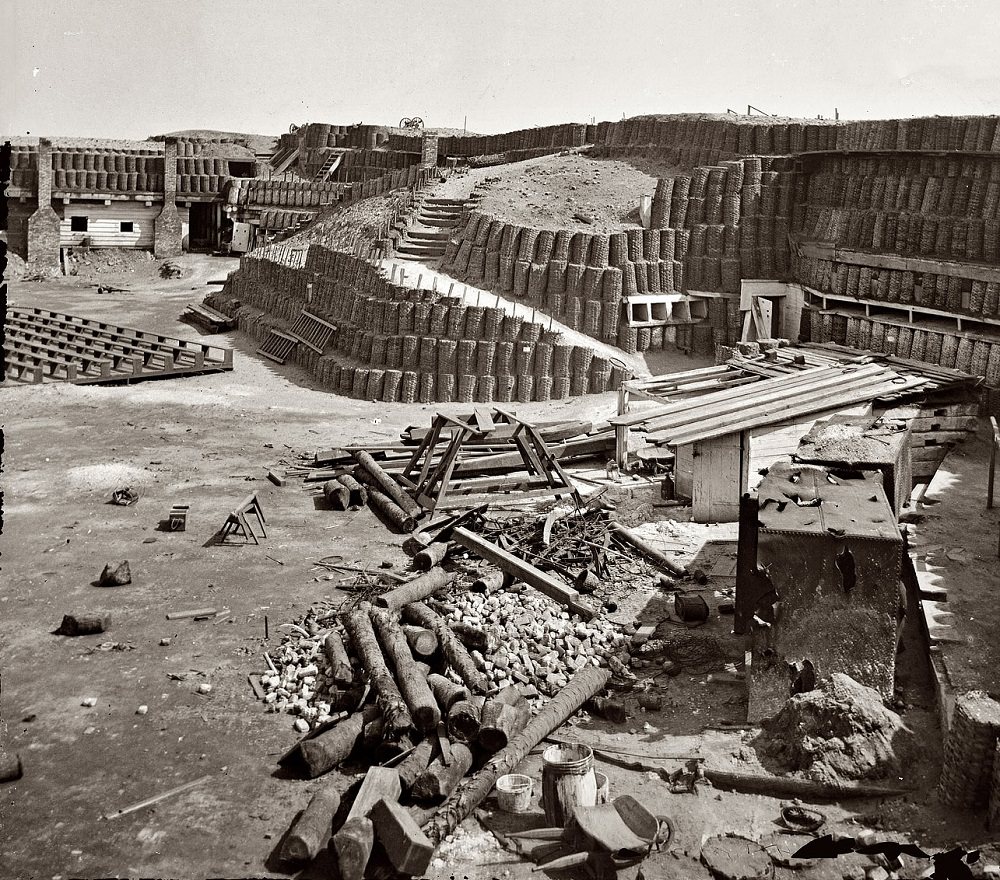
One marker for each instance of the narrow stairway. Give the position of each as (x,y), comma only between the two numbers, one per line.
(426,238)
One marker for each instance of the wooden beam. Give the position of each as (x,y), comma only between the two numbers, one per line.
(524,571)
(777,389)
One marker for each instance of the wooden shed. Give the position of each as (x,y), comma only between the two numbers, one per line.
(721,426)
(99,224)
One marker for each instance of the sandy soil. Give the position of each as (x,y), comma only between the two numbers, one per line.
(207,441)
(546,193)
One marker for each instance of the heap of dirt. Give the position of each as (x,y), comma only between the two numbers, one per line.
(14,270)
(554,192)
(837,733)
(86,262)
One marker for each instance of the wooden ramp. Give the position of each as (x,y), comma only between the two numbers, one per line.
(46,346)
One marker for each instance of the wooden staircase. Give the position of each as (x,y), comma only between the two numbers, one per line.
(329,167)
(426,238)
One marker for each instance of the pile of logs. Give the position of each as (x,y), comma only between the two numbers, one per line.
(411,694)
(484,637)
(443,776)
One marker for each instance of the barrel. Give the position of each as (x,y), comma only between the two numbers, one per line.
(568,781)
(690,608)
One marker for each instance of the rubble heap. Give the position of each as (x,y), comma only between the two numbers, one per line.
(841,731)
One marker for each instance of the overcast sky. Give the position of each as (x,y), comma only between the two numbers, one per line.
(132,68)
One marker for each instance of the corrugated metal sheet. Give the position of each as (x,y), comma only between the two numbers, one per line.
(104,224)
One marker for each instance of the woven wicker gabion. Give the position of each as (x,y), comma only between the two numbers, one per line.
(390,386)
(445,384)
(375,384)
(505,388)
(409,387)
(466,388)
(966,769)
(485,388)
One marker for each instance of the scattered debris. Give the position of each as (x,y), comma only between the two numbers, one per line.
(148,802)
(116,574)
(83,624)
(125,496)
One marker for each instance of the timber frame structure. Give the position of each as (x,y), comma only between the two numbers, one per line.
(431,478)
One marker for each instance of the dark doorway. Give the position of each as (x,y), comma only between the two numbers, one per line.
(202,226)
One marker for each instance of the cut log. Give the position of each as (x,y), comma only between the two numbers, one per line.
(353,842)
(431,555)
(336,495)
(10,766)
(339,663)
(651,553)
(454,651)
(83,624)
(419,588)
(412,682)
(422,641)
(353,845)
(475,638)
(585,684)
(464,718)
(386,484)
(312,829)
(502,717)
(555,589)
(488,582)
(324,752)
(398,518)
(410,768)
(439,779)
(115,574)
(446,692)
(395,714)
(358,494)
(407,847)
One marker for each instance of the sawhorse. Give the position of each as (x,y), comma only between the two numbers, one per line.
(238,524)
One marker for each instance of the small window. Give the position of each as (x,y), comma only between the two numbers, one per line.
(77,224)
(127,226)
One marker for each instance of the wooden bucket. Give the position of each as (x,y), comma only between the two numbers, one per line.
(568,781)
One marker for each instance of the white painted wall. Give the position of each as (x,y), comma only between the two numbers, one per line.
(104,224)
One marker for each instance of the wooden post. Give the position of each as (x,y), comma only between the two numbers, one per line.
(324,752)
(353,842)
(422,641)
(409,850)
(446,691)
(439,779)
(312,829)
(622,432)
(340,669)
(454,651)
(395,713)
(411,682)
(994,445)
(415,590)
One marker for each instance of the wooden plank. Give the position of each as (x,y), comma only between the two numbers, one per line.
(799,380)
(815,402)
(544,583)
(772,392)
(409,850)
(484,421)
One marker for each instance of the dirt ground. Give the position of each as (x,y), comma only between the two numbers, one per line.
(546,193)
(207,441)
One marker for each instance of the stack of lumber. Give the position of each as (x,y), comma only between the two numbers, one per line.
(487,463)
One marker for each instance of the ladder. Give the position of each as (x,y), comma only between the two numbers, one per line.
(330,166)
